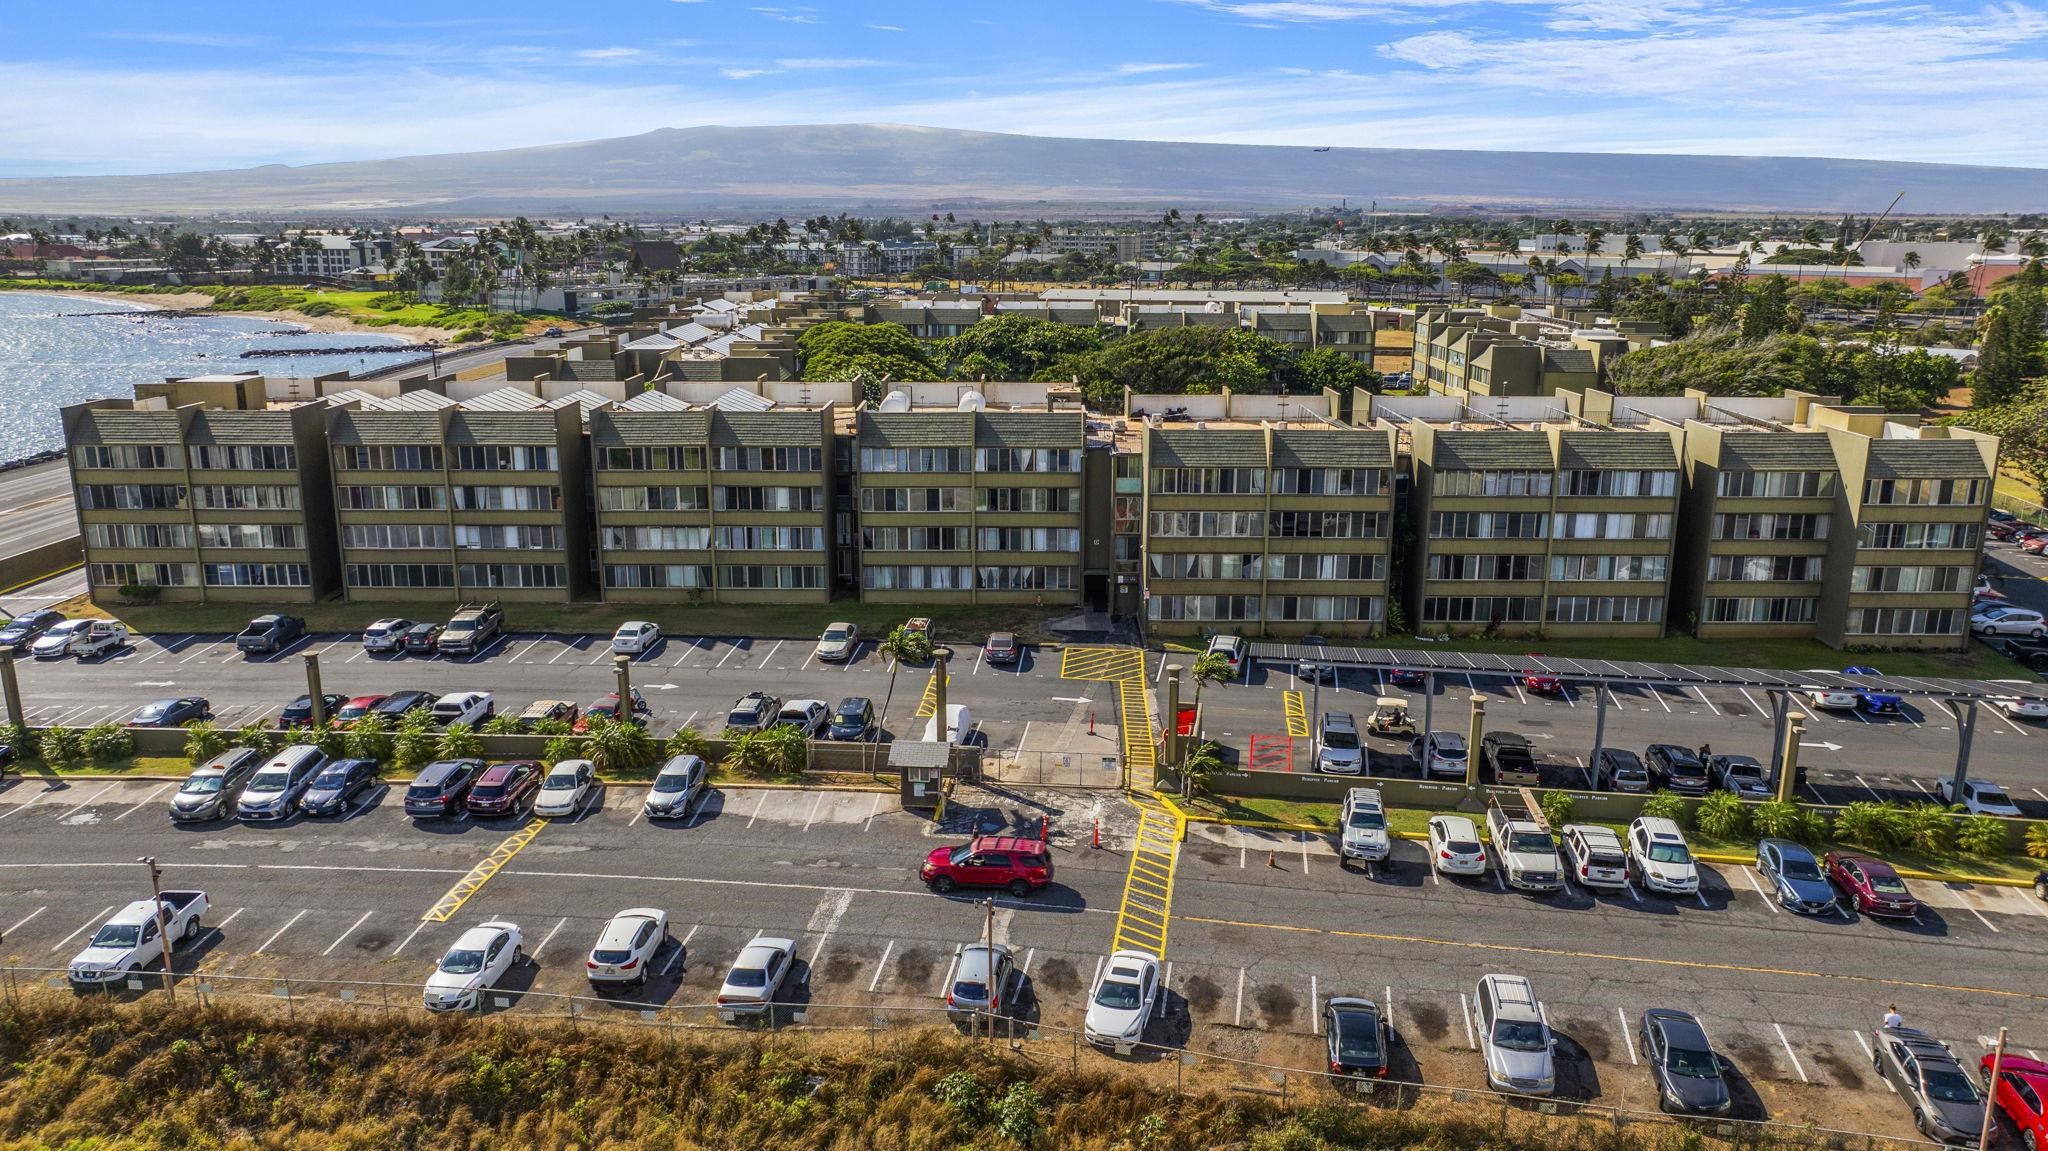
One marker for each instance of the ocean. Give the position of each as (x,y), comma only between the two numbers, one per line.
(52,353)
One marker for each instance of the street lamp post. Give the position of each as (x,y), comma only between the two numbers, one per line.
(163,935)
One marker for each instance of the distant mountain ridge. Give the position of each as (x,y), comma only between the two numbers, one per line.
(791,169)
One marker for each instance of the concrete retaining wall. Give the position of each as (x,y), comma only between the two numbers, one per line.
(39,562)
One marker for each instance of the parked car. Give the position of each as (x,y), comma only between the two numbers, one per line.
(1506,758)
(1020,866)
(1365,827)
(1338,750)
(1407,677)
(806,715)
(1513,1037)
(1525,853)
(1659,858)
(625,949)
(473,964)
(678,788)
(1231,648)
(422,639)
(1740,774)
(1978,797)
(2023,706)
(2034,545)
(470,707)
(395,706)
(1944,1099)
(129,943)
(1870,885)
(270,634)
(542,711)
(1454,847)
(636,637)
(386,635)
(273,793)
(357,707)
(1875,702)
(21,632)
(339,783)
(1357,1038)
(1683,1064)
(1619,769)
(441,787)
(982,979)
(56,640)
(1002,649)
(2026,651)
(853,719)
(1830,698)
(1676,767)
(756,711)
(566,788)
(2005,620)
(607,709)
(299,712)
(1315,668)
(215,787)
(1439,753)
(1794,877)
(471,629)
(172,712)
(504,789)
(1125,995)
(1595,856)
(756,976)
(1541,683)
(99,638)
(838,643)
(2021,1088)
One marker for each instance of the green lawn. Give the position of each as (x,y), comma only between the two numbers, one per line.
(1976,662)
(371,309)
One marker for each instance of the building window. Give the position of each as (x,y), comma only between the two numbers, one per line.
(1487,525)
(734,459)
(1777,485)
(1202,565)
(1482,609)
(1288,565)
(250,536)
(1607,609)
(246,457)
(1777,569)
(129,457)
(1330,481)
(1768,526)
(1194,525)
(1217,608)
(914,539)
(1905,621)
(388,457)
(752,499)
(1127,514)
(393,498)
(1330,525)
(1620,483)
(1501,483)
(513,575)
(246,497)
(916,460)
(1605,568)
(658,539)
(1336,608)
(400,575)
(1906,536)
(159,575)
(657,575)
(1762,609)
(1027,459)
(932,577)
(138,535)
(1027,578)
(130,497)
(1595,526)
(1208,481)
(394,537)
(753,576)
(746,538)
(1485,567)
(507,499)
(1027,499)
(508,537)
(1028,539)
(914,499)
(504,458)
(1923,492)
(663,459)
(255,575)
(661,499)
(1909,579)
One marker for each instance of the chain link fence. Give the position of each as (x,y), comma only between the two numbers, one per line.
(1191,1070)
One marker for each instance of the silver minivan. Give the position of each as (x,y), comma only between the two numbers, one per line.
(276,788)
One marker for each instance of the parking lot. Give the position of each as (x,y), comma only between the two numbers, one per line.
(1264,925)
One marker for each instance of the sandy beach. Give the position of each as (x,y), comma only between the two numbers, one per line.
(188,301)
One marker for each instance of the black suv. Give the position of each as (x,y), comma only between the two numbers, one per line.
(853,720)
(22,630)
(440,788)
(756,711)
(1677,767)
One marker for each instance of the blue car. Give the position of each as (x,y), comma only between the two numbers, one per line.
(1795,877)
(1875,702)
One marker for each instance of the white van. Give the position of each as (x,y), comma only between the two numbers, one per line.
(959,725)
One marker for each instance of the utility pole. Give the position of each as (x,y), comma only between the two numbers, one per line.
(319,717)
(1991,1091)
(163,935)
(13,689)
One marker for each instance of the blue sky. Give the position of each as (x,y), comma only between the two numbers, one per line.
(97,86)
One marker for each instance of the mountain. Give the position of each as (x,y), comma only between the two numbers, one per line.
(839,167)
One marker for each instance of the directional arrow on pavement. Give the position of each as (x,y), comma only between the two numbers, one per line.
(1829,746)
(1070,699)
(659,686)
(156,683)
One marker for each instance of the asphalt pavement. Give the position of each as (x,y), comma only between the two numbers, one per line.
(36,507)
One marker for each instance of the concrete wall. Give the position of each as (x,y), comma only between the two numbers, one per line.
(45,560)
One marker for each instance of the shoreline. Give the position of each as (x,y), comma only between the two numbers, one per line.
(201,302)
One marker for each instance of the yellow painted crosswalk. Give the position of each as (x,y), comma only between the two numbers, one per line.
(1297,714)
(445,908)
(1147,905)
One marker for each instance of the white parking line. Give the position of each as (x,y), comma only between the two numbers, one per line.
(726,656)
(1710,707)
(812,818)
(83,803)
(758,805)
(1868,1054)
(881,965)
(1627,1039)
(24,921)
(232,915)
(276,935)
(559,924)
(145,802)
(1792,1053)
(1240,990)
(570,647)
(954,962)
(529,647)
(1768,901)
(344,935)
(409,937)
(1388,1004)
(877,810)
(1315,1012)
(88,925)
(19,808)
(1304,851)
(1031,953)
(682,949)
(1870,789)
(1465,1013)
(164,649)
(1980,917)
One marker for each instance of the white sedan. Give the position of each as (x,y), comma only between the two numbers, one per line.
(2004,620)
(478,959)
(1123,1000)
(58,641)
(1980,797)
(1831,698)
(635,637)
(1454,847)
(566,788)
(756,976)
(2023,707)
(625,949)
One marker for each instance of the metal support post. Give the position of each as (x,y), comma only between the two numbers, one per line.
(622,671)
(1599,728)
(1779,703)
(1966,733)
(13,688)
(1471,743)
(1172,718)
(319,716)
(1788,760)
(1428,706)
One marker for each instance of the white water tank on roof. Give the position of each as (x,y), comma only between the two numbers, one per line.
(896,401)
(973,401)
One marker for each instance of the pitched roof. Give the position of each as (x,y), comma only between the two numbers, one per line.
(1476,451)
(1777,452)
(1214,448)
(1594,451)
(1328,447)
(1925,459)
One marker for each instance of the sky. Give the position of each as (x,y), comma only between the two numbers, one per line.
(112,86)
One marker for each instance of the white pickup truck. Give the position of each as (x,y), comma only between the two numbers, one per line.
(128,942)
(100,638)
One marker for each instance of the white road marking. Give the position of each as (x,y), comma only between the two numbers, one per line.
(24,921)
(88,925)
(164,649)
(1710,707)
(1792,1053)
(682,948)
(1768,901)
(279,933)
(758,805)
(1032,953)
(566,649)
(1627,1039)
(1304,852)
(344,935)
(145,802)
(1240,992)
(771,653)
(1980,917)
(1868,1054)
(88,802)
(881,965)
(529,647)
(1315,1014)
(1465,1013)
(18,808)
(877,810)
(978,653)
(222,926)
(1388,1003)
(825,920)
(813,817)
(408,938)
(559,924)
(726,656)
(947,983)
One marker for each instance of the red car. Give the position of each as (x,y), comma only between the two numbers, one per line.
(2033,545)
(1539,683)
(504,788)
(1872,886)
(1020,865)
(358,707)
(1406,677)
(608,708)
(2022,1088)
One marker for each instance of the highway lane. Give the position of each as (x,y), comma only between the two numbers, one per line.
(36,507)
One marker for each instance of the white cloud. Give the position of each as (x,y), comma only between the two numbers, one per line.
(883,27)
(742,73)
(826,63)
(609,53)
(1148,69)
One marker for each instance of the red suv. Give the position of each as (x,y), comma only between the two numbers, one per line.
(504,788)
(1020,865)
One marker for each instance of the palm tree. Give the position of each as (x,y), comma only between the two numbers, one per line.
(1910,260)
(1595,240)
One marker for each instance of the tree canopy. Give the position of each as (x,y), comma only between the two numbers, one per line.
(841,350)
(1014,347)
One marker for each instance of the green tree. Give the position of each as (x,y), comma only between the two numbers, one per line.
(369,737)
(460,741)
(1557,807)
(1014,347)
(2021,426)
(1870,825)
(1928,828)
(413,746)
(1320,368)
(2010,352)
(1664,805)
(1982,835)
(61,745)
(841,350)
(257,737)
(109,742)
(689,741)
(203,741)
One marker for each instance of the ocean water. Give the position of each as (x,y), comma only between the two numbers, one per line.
(53,353)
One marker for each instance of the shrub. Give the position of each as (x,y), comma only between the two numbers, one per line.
(2037,840)
(615,745)
(460,741)
(332,740)
(301,735)
(109,742)
(1775,820)
(62,745)
(1016,1114)
(1664,805)
(1557,808)
(203,741)
(748,754)
(1981,835)
(907,646)
(1723,815)
(789,751)
(1876,826)
(1928,828)
(257,736)
(141,593)
(501,725)
(19,737)
(554,727)
(370,738)
(562,747)
(413,746)
(689,741)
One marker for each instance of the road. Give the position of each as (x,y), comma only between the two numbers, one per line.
(36,507)
(1253,946)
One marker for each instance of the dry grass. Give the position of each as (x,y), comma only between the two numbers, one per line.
(92,1075)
